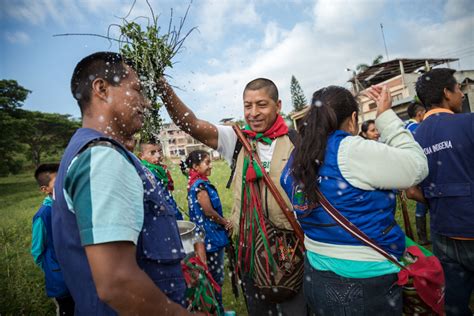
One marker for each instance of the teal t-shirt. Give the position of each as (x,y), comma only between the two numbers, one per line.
(351,268)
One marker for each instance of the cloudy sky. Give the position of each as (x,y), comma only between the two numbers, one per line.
(236,41)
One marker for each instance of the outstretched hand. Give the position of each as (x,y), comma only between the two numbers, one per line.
(382,97)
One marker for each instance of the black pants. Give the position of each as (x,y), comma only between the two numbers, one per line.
(457,258)
(65,306)
(296,306)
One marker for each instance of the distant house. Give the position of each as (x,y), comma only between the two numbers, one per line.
(400,76)
(177,144)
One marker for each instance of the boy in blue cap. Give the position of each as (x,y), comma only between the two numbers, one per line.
(42,248)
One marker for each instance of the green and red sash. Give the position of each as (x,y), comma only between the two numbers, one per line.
(252,221)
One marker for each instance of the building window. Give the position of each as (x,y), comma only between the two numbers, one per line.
(397,97)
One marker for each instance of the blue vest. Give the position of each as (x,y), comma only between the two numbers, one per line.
(448,142)
(371,211)
(55,285)
(216,236)
(159,248)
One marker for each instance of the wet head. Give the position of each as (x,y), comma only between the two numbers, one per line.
(128,103)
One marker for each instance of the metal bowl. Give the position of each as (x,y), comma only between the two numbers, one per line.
(190,234)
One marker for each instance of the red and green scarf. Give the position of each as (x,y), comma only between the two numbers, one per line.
(252,221)
(194,176)
(162,173)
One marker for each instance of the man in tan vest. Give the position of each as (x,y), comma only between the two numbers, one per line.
(261,112)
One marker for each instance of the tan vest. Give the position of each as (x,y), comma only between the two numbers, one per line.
(281,153)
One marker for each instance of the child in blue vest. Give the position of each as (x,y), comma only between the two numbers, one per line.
(42,248)
(151,155)
(205,209)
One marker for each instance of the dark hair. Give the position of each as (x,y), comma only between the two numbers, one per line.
(43,173)
(330,107)
(430,86)
(414,108)
(266,84)
(364,127)
(194,158)
(106,65)
(150,141)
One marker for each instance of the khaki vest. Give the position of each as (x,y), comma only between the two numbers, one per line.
(271,210)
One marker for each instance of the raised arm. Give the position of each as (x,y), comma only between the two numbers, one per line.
(187,121)
(123,285)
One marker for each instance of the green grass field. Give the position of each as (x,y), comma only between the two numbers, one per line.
(21,289)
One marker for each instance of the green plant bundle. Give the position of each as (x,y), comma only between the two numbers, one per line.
(151,51)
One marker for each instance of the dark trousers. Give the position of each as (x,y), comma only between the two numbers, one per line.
(257,306)
(457,259)
(215,263)
(64,306)
(330,294)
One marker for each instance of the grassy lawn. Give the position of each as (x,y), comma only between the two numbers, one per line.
(21,290)
(22,286)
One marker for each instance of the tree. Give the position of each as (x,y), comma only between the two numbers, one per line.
(12,95)
(297,95)
(44,133)
(363,67)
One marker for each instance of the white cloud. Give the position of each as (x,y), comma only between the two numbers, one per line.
(17,37)
(39,11)
(216,16)
(317,53)
(339,16)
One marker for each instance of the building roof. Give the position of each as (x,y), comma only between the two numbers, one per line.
(389,69)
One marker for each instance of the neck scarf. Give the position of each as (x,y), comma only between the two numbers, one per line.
(279,128)
(159,172)
(194,176)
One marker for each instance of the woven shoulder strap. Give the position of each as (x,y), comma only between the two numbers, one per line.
(352,229)
(273,189)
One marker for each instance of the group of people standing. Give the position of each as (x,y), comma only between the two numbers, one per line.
(114,227)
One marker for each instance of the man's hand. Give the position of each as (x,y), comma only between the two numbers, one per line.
(182,116)
(382,97)
(123,285)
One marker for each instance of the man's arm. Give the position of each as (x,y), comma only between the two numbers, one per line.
(415,193)
(205,203)
(187,121)
(123,285)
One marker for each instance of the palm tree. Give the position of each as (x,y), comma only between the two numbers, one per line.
(363,67)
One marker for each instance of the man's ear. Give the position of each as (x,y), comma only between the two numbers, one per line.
(100,88)
(44,189)
(279,106)
(354,121)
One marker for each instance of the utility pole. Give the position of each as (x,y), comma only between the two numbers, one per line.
(384,44)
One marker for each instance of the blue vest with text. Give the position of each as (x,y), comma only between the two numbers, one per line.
(371,211)
(159,248)
(216,236)
(55,285)
(448,143)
